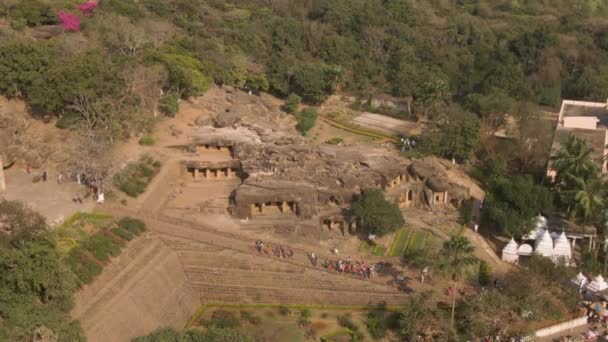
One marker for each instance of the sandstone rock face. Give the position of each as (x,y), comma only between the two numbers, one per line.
(283,174)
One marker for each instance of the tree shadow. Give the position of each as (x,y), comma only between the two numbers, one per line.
(398,278)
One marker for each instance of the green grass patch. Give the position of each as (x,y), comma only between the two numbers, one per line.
(339,335)
(379,250)
(135,177)
(147,140)
(365,247)
(295,307)
(399,243)
(85,254)
(416,241)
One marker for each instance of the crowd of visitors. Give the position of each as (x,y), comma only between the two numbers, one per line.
(93,185)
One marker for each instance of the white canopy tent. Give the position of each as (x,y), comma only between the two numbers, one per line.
(597,284)
(509,253)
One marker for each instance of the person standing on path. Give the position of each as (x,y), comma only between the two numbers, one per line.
(313,258)
(44,176)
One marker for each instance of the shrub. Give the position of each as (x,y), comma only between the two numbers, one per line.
(156,164)
(306,313)
(257,82)
(123,234)
(101,246)
(127,8)
(147,140)
(376,321)
(306,120)
(335,141)
(34,13)
(132,225)
(146,171)
(223,319)
(169,104)
(85,269)
(292,104)
(347,322)
(284,310)
(132,188)
(485,274)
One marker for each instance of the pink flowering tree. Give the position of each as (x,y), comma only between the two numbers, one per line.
(69,21)
(88,7)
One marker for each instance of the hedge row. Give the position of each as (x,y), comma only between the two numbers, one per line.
(87,259)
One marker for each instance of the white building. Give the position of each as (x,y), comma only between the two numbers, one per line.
(550,245)
(597,284)
(580,281)
(509,253)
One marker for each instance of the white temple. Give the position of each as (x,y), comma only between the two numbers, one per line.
(547,244)
(509,253)
(580,281)
(597,284)
(544,245)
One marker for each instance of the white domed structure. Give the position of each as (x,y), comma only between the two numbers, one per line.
(562,248)
(544,245)
(598,284)
(525,250)
(580,281)
(509,253)
(539,229)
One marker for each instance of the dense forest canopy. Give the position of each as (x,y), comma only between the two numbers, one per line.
(485,55)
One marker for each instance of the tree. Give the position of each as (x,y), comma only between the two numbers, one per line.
(587,199)
(314,82)
(376,215)
(513,203)
(36,287)
(484,276)
(292,103)
(574,160)
(306,120)
(22,63)
(455,135)
(418,321)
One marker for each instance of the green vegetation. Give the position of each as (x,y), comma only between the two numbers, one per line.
(375,214)
(91,251)
(292,103)
(335,141)
(399,243)
(147,140)
(195,335)
(36,286)
(135,177)
(306,120)
(513,201)
(484,275)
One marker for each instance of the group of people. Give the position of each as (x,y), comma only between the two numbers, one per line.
(94,185)
(279,251)
(357,268)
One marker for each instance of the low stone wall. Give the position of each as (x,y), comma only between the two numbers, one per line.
(564,326)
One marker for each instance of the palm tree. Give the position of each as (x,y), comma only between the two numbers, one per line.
(587,197)
(457,255)
(574,158)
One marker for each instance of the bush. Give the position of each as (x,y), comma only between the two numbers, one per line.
(147,140)
(85,269)
(132,188)
(34,13)
(123,234)
(376,321)
(485,274)
(284,310)
(101,246)
(169,104)
(132,225)
(306,120)
(347,322)
(306,313)
(292,104)
(223,319)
